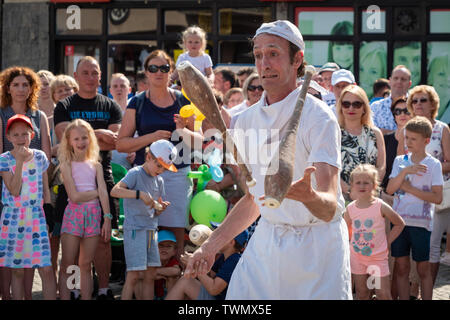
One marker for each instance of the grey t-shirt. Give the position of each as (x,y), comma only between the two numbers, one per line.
(137,214)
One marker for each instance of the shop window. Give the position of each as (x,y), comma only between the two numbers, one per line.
(236,52)
(242,20)
(334,21)
(78,21)
(319,52)
(438,76)
(178,20)
(128,57)
(372,64)
(373,21)
(132,21)
(409,54)
(440,21)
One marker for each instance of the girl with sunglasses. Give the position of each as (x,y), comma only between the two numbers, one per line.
(154,114)
(424,101)
(361,141)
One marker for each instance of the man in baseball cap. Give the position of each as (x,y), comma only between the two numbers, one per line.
(299,250)
(326,71)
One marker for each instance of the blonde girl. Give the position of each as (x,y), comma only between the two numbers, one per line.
(82,175)
(194,45)
(369,245)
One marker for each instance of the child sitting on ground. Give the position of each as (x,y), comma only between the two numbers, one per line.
(170,270)
(213,286)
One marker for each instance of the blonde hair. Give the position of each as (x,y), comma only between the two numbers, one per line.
(48,75)
(370,171)
(420,125)
(432,95)
(65,150)
(62,80)
(194,31)
(120,76)
(366,118)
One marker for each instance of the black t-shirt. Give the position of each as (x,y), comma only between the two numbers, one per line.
(99,112)
(390,144)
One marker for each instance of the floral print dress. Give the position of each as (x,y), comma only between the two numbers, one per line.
(356,150)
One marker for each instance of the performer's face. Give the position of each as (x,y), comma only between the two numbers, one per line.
(277,73)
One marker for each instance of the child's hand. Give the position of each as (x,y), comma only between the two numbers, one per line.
(185,257)
(164,205)
(147,199)
(106,230)
(22,153)
(415,169)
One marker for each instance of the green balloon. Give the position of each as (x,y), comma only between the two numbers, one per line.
(208,205)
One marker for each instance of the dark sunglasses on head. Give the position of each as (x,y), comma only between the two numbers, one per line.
(422,100)
(153,68)
(253,88)
(399,111)
(355,104)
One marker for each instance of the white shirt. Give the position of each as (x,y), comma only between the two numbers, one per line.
(200,62)
(417,212)
(318,140)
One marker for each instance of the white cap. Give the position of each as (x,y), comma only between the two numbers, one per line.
(284,29)
(165,152)
(342,75)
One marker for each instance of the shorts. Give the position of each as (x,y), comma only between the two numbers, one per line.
(415,238)
(379,268)
(204,294)
(141,249)
(82,220)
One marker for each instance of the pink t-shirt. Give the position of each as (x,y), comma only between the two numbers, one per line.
(84,176)
(369,233)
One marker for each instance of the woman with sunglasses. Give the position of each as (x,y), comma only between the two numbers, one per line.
(252,93)
(154,114)
(424,101)
(361,141)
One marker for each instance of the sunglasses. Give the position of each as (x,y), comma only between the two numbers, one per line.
(253,88)
(153,68)
(399,111)
(422,100)
(355,104)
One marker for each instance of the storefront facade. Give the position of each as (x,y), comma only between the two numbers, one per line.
(367,37)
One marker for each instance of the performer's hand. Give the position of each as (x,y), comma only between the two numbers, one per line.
(301,189)
(199,263)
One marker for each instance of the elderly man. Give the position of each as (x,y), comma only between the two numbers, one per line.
(301,249)
(400,82)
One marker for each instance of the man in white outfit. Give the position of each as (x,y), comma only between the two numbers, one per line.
(301,249)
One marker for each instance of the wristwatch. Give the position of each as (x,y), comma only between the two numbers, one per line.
(108,215)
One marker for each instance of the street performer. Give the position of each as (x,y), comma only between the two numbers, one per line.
(301,249)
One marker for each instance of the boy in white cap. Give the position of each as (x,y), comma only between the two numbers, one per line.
(301,249)
(140,189)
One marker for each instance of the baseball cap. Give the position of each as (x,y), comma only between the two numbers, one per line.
(165,152)
(166,235)
(342,75)
(329,66)
(16,118)
(284,29)
(241,238)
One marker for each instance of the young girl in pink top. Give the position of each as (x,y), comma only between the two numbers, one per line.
(369,246)
(82,175)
